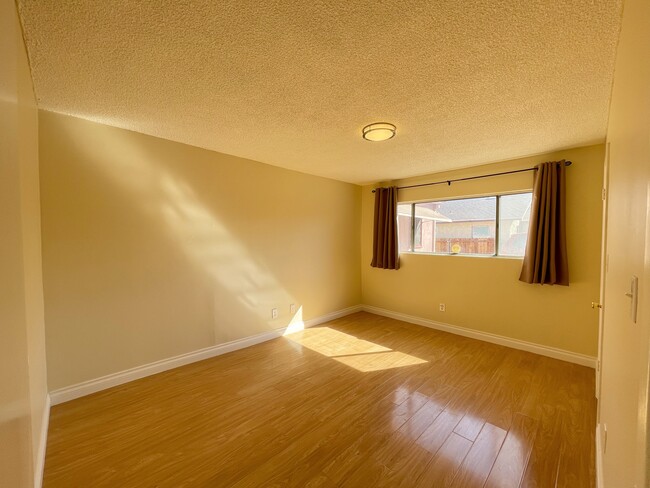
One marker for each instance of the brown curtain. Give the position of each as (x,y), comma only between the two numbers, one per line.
(385,253)
(545,261)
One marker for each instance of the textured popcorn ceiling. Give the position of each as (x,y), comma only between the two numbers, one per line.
(291,83)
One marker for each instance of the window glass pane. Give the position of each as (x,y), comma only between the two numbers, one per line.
(479,231)
(424,226)
(404,226)
(417,233)
(466,226)
(514,215)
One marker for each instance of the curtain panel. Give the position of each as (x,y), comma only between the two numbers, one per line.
(545,260)
(385,252)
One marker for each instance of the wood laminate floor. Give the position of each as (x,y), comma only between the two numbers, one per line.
(363,401)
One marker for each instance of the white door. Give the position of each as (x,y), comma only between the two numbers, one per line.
(624,343)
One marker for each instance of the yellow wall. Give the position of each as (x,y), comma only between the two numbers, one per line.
(22,355)
(625,356)
(152,248)
(484,294)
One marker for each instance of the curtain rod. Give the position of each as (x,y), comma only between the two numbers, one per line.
(449,182)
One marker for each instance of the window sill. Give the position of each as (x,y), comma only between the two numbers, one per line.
(482,256)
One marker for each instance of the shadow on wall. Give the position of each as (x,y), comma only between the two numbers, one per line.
(121,224)
(207,242)
(193,228)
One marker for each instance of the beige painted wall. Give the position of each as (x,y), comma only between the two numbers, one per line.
(484,294)
(152,248)
(625,355)
(23,387)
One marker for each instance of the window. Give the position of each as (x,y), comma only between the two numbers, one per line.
(486,226)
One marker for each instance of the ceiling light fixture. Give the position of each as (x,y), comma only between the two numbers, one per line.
(379,131)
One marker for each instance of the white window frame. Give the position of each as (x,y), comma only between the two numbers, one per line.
(496,254)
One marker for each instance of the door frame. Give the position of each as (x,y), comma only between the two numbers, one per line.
(603,272)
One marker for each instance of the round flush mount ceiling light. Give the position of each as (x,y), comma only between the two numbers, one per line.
(379,131)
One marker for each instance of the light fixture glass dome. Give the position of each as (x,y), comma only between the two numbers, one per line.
(379,131)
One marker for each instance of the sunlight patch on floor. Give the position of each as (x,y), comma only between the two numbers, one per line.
(380,361)
(349,350)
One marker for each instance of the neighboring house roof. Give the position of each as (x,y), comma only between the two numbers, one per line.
(422,212)
(516,207)
(470,209)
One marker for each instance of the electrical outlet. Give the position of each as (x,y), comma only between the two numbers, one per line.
(274,313)
(292,308)
(442,307)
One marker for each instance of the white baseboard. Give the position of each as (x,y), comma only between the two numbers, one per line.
(599,459)
(552,352)
(66,394)
(332,316)
(42,444)
(92,386)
